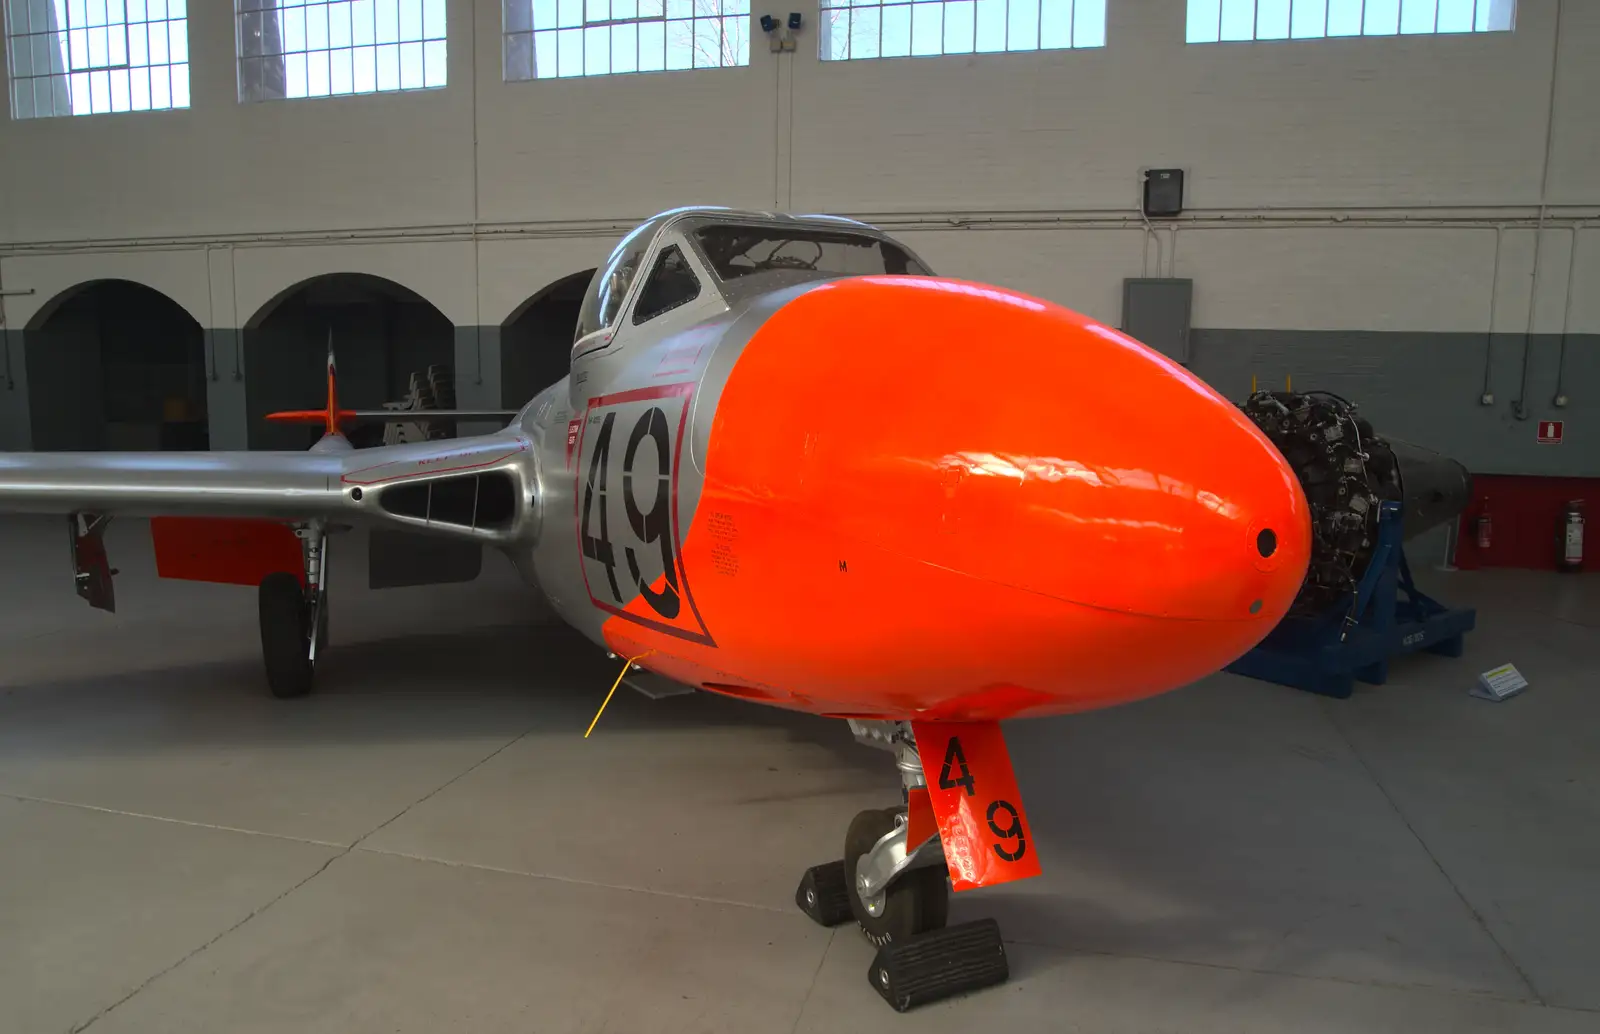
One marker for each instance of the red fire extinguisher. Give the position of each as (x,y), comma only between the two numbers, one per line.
(1483,526)
(1569,537)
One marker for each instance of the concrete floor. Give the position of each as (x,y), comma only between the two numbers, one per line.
(429,844)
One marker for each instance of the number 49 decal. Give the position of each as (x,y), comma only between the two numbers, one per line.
(627,528)
(1011,833)
(649,528)
(982,825)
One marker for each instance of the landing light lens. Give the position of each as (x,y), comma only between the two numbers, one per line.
(1266,542)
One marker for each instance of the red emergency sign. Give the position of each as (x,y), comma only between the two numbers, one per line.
(1550,432)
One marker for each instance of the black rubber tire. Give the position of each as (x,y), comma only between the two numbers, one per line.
(284,643)
(915,903)
(935,896)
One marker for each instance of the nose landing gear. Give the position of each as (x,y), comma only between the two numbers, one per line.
(893,897)
(898,894)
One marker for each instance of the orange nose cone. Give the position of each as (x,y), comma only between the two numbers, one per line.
(1045,514)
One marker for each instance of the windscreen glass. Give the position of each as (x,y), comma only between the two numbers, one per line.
(788,254)
(609,288)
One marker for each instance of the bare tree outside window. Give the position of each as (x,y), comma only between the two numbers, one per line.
(325,48)
(547,39)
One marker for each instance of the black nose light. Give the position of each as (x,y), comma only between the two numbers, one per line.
(1267,542)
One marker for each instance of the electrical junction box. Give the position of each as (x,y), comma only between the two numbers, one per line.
(1163,192)
(1155,312)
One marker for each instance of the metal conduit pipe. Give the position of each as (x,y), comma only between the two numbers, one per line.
(1372,216)
(1486,397)
(1559,399)
(1519,409)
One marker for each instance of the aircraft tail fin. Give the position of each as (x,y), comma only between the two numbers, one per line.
(333,418)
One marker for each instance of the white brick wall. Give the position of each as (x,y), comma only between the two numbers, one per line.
(439,271)
(1358,123)
(1436,120)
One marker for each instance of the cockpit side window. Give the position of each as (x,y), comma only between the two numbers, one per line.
(672,283)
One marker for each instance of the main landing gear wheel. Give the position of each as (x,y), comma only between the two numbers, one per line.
(286,635)
(916,902)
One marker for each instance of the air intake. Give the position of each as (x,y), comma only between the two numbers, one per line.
(468,501)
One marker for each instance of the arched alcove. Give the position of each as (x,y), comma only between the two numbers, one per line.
(536,339)
(114,364)
(382,334)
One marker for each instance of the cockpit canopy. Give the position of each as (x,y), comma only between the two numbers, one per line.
(748,253)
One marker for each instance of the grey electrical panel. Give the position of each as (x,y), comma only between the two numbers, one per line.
(1155,312)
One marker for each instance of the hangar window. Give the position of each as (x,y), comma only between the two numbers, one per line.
(311,48)
(90,57)
(1214,21)
(853,29)
(547,39)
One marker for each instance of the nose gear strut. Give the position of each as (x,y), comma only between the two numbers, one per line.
(899,895)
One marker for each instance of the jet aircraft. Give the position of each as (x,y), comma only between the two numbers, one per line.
(793,466)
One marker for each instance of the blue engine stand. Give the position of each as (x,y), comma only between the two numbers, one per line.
(1389,617)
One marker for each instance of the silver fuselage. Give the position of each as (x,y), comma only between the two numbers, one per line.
(518,489)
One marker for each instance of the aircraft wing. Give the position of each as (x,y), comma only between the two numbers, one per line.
(230,516)
(394,416)
(390,416)
(392,483)
(216,484)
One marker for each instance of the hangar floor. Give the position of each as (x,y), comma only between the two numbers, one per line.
(429,843)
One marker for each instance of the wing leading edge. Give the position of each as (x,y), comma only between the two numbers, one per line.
(478,488)
(153,484)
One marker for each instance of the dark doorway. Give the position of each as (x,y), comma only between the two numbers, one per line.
(116,365)
(383,335)
(536,341)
